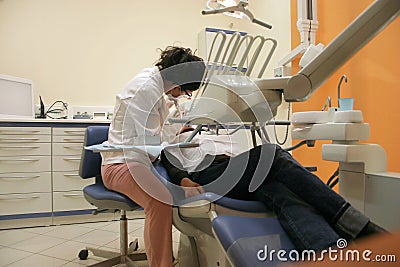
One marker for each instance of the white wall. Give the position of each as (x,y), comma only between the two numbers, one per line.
(84,51)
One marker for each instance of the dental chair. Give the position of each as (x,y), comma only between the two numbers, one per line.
(221,231)
(214,230)
(104,199)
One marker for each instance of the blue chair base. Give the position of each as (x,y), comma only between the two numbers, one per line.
(249,241)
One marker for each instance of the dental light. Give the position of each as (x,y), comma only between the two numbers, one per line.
(233,8)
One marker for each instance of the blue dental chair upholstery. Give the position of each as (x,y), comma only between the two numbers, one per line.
(104,199)
(249,241)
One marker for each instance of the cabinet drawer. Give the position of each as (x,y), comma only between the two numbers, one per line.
(69,131)
(18,149)
(25,182)
(25,164)
(25,203)
(25,130)
(65,181)
(68,139)
(24,138)
(72,200)
(60,149)
(66,163)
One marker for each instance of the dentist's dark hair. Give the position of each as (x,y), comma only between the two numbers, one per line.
(180,66)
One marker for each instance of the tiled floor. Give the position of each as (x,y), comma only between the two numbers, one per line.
(55,246)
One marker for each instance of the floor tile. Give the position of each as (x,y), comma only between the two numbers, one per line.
(115,244)
(68,250)
(97,237)
(90,260)
(75,264)
(134,225)
(112,227)
(9,255)
(95,225)
(40,230)
(37,243)
(38,260)
(68,231)
(9,237)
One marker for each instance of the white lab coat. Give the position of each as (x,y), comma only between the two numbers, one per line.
(140,111)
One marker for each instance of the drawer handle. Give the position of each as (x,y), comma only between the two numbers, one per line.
(73,139)
(71,175)
(18,132)
(73,195)
(19,198)
(20,177)
(18,160)
(19,139)
(72,159)
(75,131)
(74,147)
(18,147)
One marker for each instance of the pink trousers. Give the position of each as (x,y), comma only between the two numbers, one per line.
(158,220)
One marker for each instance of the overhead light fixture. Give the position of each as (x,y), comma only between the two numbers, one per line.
(233,8)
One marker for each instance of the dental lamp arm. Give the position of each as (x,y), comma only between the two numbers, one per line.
(241,7)
(376,17)
(261,23)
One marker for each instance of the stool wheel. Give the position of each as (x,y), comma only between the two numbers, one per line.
(83,254)
(136,245)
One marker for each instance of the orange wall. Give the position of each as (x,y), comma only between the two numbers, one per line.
(373,80)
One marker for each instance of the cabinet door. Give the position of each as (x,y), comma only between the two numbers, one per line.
(25,164)
(25,182)
(60,149)
(25,130)
(25,149)
(68,135)
(71,200)
(24,138)
(25,203)
(66,163)
(67,181)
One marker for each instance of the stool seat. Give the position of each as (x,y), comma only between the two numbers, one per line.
(99,196)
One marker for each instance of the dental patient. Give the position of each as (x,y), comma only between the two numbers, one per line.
(312,214)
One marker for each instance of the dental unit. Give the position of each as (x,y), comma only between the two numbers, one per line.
(364,181)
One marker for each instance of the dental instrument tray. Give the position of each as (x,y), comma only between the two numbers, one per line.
(153,150)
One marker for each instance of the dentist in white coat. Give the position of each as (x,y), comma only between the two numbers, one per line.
(139,115)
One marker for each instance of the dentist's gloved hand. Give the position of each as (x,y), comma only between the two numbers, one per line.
(191,188)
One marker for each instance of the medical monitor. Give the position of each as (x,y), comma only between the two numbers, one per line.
(16,97)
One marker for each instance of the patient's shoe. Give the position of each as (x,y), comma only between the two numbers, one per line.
(370,229)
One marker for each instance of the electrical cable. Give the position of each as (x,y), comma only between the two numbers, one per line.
(299,144)
(332,181)
(57,110)
(287,129)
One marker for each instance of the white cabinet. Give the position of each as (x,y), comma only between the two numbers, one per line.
(39,180)
(25,172)
(67,184)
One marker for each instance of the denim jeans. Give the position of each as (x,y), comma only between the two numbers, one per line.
(313,215)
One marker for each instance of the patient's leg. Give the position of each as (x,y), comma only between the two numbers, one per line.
(339,213)
(307,228)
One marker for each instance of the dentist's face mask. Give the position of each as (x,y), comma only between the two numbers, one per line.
(173,98)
